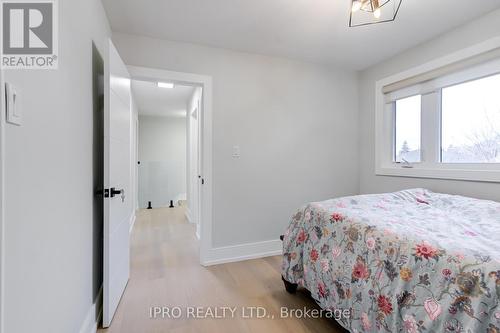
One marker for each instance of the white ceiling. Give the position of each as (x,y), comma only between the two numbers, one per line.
(314,30)
(154,101)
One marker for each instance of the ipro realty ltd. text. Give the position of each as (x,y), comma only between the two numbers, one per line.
(245,312)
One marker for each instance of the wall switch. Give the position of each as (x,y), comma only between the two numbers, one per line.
(236,151)
(13,110)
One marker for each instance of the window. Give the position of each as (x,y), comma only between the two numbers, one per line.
(471,122)
(407,129)
(442,119)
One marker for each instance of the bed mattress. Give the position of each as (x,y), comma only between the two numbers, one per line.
(409,261)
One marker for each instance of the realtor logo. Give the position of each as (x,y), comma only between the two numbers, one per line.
(29,34)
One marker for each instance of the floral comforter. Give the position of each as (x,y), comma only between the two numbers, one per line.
(409,261)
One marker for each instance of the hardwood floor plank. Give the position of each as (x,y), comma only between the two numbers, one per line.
(165,272)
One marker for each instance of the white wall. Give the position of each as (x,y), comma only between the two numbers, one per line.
(467,35)
(296,124)
(162,153)
(48,183)
(193,114)
(3,117)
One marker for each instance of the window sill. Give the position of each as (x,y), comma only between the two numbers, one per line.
(455,173)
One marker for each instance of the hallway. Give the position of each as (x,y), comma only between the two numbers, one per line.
(165,272)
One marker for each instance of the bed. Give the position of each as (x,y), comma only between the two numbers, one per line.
(410,261)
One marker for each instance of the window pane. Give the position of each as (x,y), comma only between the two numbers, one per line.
(471,122)
(407,143)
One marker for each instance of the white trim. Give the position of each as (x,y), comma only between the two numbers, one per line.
(383,159)
(187,213)
(93,317)
(2,199)
(226,254)
(458,174)
(132,221)
(206,215)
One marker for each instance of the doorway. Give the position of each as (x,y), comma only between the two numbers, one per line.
(164,143)
(120,169)
(98,172)
(198,121)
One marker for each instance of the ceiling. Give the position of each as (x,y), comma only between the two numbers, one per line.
(312,30)
(154,101)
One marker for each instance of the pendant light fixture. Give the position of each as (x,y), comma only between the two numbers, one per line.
(365,12)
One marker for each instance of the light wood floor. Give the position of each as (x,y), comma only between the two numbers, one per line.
(165,272)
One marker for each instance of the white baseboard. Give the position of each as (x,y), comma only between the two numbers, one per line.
(221,255)
(187,213)
(93,316)
(132,222)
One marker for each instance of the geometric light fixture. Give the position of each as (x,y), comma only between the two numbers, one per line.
(365,12)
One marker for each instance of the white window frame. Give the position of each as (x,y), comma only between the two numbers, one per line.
(430,165)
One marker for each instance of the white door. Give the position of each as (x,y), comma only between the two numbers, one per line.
(118,207)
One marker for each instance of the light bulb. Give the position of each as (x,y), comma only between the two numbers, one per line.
(168,85)
(356,5)
(377,12)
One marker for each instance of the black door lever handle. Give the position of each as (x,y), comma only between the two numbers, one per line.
(114,192)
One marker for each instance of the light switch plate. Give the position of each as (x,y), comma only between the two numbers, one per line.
(13,111)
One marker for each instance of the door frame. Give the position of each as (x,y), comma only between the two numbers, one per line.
(206,193)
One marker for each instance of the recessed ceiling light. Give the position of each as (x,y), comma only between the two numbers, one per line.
(167,85)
